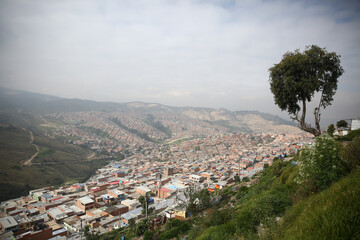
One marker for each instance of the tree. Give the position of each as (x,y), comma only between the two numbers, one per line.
(146,210)
(298,76)
(236,178)
(331,130)
(341,123)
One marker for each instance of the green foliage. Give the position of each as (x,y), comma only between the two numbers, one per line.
(178,228)
(141,227)
(341,123)
(145,206)
(242,191)
(331,214)
(218,216)
(46,151)
(351,154)
(299,75)
(64,163)
(132,223)
(224,231)
(331,130)
(277,167)
(320,164)
(148,235)
(246,179)
(259,204)
(89,235)
(199,201)
(350,136)
(236,178)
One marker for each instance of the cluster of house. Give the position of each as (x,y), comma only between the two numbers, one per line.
(109,199)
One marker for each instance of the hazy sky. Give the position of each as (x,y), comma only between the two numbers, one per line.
(181,53)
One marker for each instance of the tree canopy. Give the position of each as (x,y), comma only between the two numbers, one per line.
(341,123)
(299,75)
(331,130)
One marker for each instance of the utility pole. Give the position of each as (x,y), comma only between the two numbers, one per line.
(146,205)
(159,185)
(80,229)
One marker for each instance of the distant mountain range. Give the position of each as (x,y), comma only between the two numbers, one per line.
(162,118)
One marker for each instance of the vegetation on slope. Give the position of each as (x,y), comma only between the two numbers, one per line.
(331,214)
(57,163)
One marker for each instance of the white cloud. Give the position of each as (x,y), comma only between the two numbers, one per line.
(199,53)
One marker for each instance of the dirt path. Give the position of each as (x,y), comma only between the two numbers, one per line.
(91,156)
(28,162)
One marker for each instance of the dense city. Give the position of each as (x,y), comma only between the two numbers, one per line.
(110,199)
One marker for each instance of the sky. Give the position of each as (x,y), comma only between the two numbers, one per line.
(212,53)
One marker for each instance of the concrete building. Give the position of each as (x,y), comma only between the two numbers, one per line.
(85,203)
(8,224)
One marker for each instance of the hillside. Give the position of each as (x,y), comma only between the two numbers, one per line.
(55,164)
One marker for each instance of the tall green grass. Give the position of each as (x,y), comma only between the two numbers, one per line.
(331,214)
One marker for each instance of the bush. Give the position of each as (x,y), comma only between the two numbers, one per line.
(320,164)
(351,154)
(246,179)
(148,235)
(218,217)
(181,227)
(141,227)
(242,191)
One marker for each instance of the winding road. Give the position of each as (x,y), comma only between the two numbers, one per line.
(28,162)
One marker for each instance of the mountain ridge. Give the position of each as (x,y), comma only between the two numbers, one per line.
(46,104)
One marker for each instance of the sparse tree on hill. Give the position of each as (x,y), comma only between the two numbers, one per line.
(300,75)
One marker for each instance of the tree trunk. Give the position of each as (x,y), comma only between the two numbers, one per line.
(306,127)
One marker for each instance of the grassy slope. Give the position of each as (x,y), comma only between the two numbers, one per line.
(55,151)
(331,214)
(16,180)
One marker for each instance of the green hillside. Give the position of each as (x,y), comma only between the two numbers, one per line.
(60,162)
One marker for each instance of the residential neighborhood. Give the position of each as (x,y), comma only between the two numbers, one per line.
(109,199)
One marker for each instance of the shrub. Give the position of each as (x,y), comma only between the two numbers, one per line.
(141,227)
(242,191)
(148,235)
(218,217)
(351,154)
(246,179)
(320,164)
(180,228)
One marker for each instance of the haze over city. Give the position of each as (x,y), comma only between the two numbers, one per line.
(179,53)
